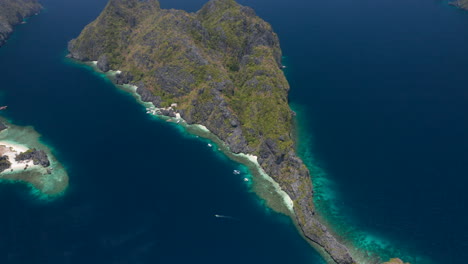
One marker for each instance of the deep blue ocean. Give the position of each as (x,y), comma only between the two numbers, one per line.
(380,89)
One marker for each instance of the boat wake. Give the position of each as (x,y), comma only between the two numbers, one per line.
(226,217)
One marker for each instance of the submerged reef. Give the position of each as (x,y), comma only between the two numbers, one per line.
(219,68)
(13,12)
(24,159)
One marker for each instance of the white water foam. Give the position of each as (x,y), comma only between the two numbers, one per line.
(288,202)
(286,198)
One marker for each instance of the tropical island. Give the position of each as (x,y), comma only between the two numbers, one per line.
(13,12)
(24,159)
(219,68)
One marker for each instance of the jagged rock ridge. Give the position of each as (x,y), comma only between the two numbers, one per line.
(221,65)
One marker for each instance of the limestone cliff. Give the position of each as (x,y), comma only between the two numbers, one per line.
(221,65)
(12,12)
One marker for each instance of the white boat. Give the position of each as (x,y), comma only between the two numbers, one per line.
(246,180)
(209,145)
(236,172)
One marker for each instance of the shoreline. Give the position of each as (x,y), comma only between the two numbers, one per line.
(11,149)
(30,11)
(46,181)
(248,160)
(263,185)
(281,202)
(367,247)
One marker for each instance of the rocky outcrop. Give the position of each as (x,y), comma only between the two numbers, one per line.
(463,4)
(4,163)
(147,96)
(13,12)
(2,126)
(103,63)
(221,65)
(39,157)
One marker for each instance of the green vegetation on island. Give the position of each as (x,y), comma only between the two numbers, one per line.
(219,67)
(13,12)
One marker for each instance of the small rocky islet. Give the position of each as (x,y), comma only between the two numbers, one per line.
(33,165)
(220,68)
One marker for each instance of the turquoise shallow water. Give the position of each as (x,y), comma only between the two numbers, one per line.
(369,244)
(379,88)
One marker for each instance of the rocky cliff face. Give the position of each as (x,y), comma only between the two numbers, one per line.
(12,12)
(4,163)
(221,66)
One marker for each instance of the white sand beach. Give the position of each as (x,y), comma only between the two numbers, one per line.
(11,150)
(286,199)
(155,111)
